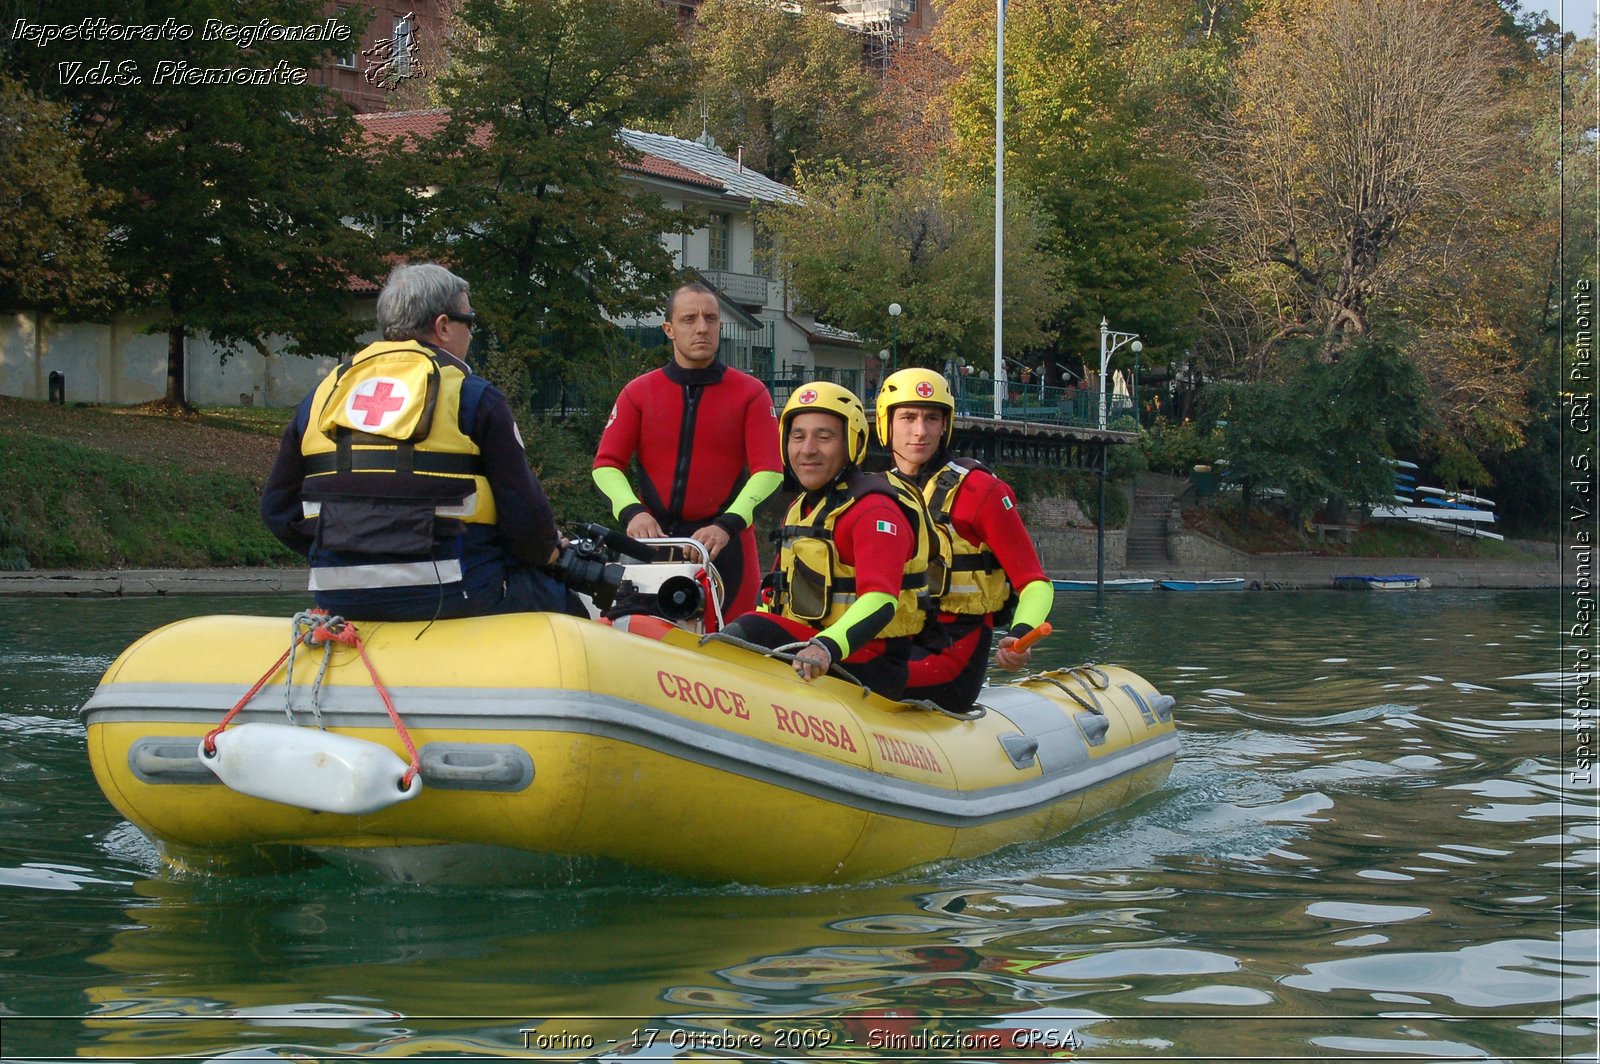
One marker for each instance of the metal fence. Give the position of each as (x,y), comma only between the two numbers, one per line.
(752,351)
(1040,403)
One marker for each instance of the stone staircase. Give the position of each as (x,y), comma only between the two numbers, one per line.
(1147,529)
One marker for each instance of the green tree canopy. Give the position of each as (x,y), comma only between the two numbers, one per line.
(230,190)
(1086,141)
(862,240)
(785,85)
(1323,431)
(521,187)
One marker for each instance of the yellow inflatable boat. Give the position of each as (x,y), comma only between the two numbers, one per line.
(416,746)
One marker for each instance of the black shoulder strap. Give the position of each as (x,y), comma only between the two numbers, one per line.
(860,484)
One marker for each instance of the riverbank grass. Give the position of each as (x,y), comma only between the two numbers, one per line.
(105,488)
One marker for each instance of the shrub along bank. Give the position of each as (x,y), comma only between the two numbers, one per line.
(99,487)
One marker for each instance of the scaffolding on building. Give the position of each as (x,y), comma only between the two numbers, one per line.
(881,24)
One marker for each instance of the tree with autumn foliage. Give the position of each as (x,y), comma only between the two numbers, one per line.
(783,84)
(1358,129)
(1374,166)
(913,116)
(52,253)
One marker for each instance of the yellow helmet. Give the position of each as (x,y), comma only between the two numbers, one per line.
(923,387)
(833,399)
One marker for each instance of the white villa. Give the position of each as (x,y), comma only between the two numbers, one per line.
(117,362)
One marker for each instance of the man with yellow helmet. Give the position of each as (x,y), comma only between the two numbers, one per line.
(991,552)
(850,579)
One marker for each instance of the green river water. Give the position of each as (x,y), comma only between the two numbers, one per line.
(1379,843)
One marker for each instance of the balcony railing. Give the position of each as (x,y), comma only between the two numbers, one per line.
(746,289)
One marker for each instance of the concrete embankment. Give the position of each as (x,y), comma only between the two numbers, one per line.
(1072,554)
(1266,571)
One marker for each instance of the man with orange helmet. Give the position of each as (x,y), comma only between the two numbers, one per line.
(850,581)
(991,552)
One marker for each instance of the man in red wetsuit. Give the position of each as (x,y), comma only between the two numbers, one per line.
(991,551)
(710,455)
(850,581)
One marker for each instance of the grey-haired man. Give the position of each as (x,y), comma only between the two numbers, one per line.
(402,476)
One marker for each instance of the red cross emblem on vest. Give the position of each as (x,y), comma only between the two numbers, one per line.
(924,389)
(375,403)
(808,396)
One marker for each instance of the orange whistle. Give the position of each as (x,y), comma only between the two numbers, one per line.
(1031,638)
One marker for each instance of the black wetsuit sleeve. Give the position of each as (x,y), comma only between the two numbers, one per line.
(862,632)
(281,511)
(525,520)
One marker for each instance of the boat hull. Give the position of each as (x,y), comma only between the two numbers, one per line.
(1391,582)
(1121,583)
(559,736)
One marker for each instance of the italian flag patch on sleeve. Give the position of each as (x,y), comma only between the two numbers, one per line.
(887,526)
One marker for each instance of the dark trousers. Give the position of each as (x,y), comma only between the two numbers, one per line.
(534,590)
(948,664)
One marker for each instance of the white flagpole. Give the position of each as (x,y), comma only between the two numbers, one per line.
(999,200)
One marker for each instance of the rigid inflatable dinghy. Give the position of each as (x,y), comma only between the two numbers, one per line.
(409,745)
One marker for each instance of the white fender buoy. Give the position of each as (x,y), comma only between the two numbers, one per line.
(309,768)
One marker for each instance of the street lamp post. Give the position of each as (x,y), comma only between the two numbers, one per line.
(894,343)
(1110,341)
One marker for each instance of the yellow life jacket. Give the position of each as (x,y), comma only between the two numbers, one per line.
(817,588)
(387,424)
(975,581)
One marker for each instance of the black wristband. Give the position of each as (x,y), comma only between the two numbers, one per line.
(833,649)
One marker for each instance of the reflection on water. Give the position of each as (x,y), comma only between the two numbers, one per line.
(1370,848)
